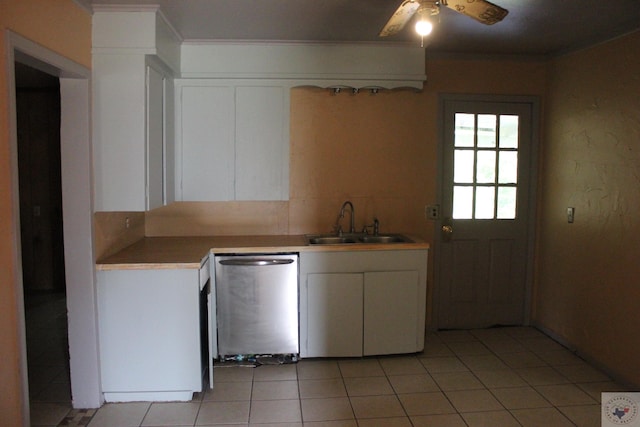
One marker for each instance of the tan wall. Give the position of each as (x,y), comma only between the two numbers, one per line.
(63,27)
(588,286)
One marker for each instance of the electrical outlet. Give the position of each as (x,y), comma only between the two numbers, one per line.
(432,211)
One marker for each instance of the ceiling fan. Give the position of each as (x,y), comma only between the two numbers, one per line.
(480,10)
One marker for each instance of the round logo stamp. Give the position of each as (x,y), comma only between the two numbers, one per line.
(621,410)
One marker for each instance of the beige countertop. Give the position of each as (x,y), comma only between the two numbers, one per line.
(189,252)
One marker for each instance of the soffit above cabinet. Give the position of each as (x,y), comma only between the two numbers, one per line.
(307,64)
(145,30)
(135,30)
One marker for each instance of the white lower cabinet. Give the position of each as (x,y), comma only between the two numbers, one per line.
(150,333)
(362,303)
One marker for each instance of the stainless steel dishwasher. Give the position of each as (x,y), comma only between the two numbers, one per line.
(257,304)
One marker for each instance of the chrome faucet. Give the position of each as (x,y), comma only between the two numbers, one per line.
(352,227)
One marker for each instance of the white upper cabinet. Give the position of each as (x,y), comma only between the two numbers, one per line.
(233,141)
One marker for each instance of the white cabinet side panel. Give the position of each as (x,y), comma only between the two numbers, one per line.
(149,330)
(119,132)
(207,143)
(169,142)
(155,139)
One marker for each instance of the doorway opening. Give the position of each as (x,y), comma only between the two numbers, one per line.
(38,122)
(75,163)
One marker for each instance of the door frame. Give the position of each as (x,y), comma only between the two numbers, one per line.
(77,201)
(534,101)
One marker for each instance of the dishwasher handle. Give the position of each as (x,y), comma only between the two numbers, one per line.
(255,262)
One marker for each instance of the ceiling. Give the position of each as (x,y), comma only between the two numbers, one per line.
(532,27)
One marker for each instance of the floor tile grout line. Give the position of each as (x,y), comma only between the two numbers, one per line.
(299,395)
(404,409)
(201,399)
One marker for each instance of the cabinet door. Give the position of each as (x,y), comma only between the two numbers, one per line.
(391,303)
(155,139)
(334,315)
(262,152)
(207,141)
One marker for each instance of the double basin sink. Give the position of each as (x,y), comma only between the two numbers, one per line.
(326,239)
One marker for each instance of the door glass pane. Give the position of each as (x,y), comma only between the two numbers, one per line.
(486,130)
(463,166)
(506,203)
(462,202)
(486,167)
(485,155)
(508,169)
(509,131)
(464,130)
(485,198)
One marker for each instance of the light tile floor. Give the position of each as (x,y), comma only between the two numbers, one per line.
(513,376)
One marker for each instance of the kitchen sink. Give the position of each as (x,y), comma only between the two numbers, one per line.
(330,240)
(357,238)
(392,238)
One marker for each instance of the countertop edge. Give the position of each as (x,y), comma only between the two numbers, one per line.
(148,266)
(190,252)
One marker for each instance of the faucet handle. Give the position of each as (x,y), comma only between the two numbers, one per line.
(375,226)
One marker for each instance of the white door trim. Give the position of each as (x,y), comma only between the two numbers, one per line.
(77,187)
(534,101)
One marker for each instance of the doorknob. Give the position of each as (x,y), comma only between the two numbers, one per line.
(447,230)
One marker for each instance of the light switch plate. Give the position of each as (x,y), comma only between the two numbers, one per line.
(571,214)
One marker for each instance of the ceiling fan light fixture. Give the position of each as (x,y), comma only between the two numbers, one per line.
(424,27)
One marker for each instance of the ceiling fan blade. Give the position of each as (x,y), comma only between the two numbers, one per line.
(400,17)
(481,10)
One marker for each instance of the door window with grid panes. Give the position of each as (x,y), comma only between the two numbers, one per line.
(485,166)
